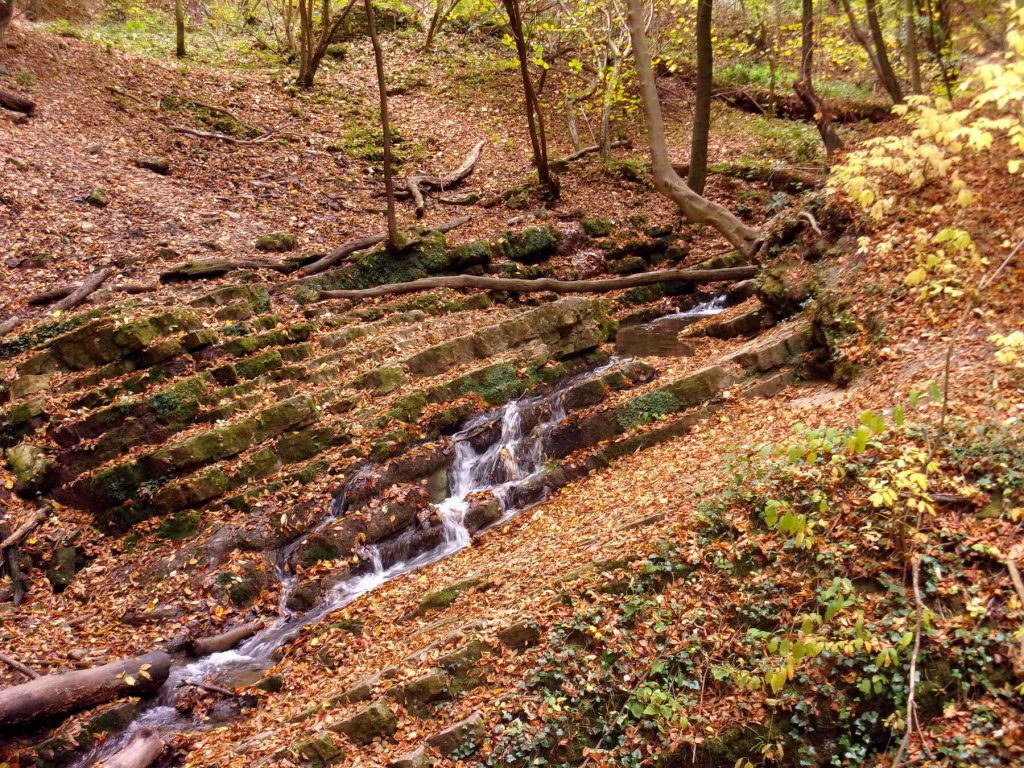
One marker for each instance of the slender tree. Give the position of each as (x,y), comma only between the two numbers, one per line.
(891,85)
(382,88)
(804,86)
(889,79)
(6,14)
(698,172)
(179,29)
(534,114)
(910,48)
(442,10)
(313,46)
(696,208)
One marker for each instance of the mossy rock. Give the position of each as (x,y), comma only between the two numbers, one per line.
(277,242)
(786,286)
(34,471)
(63,565)
(372,722)
(475,253)
(98,198)
(179,526)
(382,380)
(442,598)
(530,246)
(317,751)
(646,408)
(600,226)
(627,266)
(337,51)
(155,163)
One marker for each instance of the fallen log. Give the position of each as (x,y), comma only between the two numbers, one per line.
(205,269)
(563,162)
(782,178)
(16,103)
(55,294)
(142,751)
(759,102)
(225,641)
(519,285)
(414,184)
(361,244)
(67,692)
(24,529)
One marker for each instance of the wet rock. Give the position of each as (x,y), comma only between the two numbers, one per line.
(418,758)
(98,198)
(76,738)
(373,722)
(382,380)
(745,324)
(765,354)
(277,242)
(785,286)
(34,470)
(483,511)
(155,163)
(62,568)
(657,339)
(519,636)
(271,684)
(462,737)
(568,437)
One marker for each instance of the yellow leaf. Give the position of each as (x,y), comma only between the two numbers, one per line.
(916,277)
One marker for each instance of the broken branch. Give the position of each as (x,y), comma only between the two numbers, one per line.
(519,285)
(16,103)
(15,664)
(415,183)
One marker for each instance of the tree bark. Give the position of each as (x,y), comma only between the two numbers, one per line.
(360,244)
(519,285)
(865,43)
(142,751)
(667,181)
(14,664)
(804,86)
(61,694)
(16,103)
(81,293)
(698,170)
(179,29)
(889,79)
(382,87)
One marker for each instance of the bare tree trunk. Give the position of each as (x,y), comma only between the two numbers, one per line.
(910,31)
(571,125)
(804,87)
(6,14)
(534,115)
(441,14)
(382,87)
(305,43)
(693,206)
(865,42)
(609,100)
(698,173)
(889,79)
(179,29)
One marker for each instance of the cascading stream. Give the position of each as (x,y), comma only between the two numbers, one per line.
(512,460)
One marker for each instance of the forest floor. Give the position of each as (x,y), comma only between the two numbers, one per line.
(657,559)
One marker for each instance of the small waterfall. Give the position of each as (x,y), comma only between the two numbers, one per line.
(514,458)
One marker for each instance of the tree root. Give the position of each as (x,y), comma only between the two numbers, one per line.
(79,294)
(416,184)
(517,285)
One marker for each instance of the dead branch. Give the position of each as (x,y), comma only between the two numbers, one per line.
(81,293)
(17,665)
(912,686)
(781,178)
(518,285)
(209,688)
(16,103)
(142,751)
(561,162)
(24,530)
(222,136)
(361,244)
(415,184)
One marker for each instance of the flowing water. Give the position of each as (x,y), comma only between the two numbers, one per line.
(515,458)
(503,467)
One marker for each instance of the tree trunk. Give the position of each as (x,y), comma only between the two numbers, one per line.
(865,43)
(547,284)
(6,14)
(142,751)
(698,172)
(441,14)
(16,103)
(534,115)
(382,88)
(225,641)
(179,29)
(667,181)
(910,32)
(61,694)
(804,87)
(889,79)
(305,79)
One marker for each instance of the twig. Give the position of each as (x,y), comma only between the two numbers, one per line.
(206,687)
(912,687)
(812,221)
(24,529)
(223,136)
(15,664)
